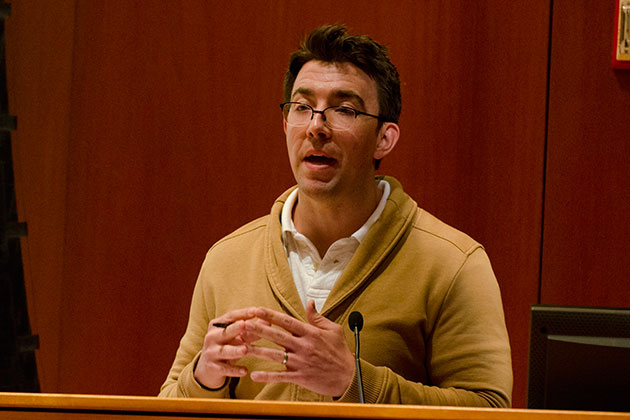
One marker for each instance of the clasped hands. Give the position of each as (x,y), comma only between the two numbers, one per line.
(315,354)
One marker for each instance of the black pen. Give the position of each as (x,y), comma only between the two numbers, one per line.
(221,324)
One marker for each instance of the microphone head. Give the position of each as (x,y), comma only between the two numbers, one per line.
(355,320)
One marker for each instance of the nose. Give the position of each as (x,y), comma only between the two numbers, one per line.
(317,126)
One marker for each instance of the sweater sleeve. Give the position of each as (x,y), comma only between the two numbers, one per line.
(468,357)
(180,381)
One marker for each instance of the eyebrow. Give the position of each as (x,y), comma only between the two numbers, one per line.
(348,94)
(338,94)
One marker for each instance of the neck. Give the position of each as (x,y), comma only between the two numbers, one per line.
(324,221)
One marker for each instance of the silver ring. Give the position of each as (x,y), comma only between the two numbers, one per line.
(286,358)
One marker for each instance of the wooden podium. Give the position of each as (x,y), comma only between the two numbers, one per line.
(19,406)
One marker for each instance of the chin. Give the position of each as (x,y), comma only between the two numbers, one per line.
(315,187)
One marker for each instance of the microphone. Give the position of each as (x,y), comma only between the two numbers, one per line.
(355,322)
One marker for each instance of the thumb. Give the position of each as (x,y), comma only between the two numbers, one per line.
(314,318)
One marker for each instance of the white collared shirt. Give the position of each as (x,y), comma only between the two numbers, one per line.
(315,276)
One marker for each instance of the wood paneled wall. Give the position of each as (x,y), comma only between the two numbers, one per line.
(149,131)
(587,197)
(38,42)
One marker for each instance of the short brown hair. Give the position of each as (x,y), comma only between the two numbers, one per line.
(333,44)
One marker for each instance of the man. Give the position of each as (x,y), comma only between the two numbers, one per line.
(269,313)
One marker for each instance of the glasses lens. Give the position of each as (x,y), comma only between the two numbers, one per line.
(340,117)
(297,114)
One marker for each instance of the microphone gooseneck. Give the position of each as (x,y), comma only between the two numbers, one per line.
(355,322)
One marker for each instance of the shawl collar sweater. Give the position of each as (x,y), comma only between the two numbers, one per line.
(434,330)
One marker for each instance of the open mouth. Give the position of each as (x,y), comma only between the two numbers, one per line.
(320,160)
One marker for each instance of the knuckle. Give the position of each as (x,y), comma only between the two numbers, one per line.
(223,369)
(210,339)
(221,352)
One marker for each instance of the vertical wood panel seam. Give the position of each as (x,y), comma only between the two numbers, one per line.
(545,152)
(67,193)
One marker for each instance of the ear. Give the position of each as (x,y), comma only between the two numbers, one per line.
(284,126)
(388,137)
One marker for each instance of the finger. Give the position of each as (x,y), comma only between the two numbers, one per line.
(228,352)
(314,317)
(235,315)
(227,334)
(262,321)
(250,334)
(273,334)
(266,353)
(283,320)
(248,337)
(228,369)
(273,376)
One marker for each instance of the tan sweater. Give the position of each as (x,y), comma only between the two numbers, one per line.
(434,330)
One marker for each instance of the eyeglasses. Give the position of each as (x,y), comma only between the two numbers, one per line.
(338,118)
